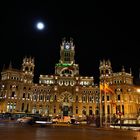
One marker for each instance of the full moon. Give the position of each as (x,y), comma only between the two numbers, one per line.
(40,25)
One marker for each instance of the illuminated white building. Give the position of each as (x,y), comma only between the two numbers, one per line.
(66,92)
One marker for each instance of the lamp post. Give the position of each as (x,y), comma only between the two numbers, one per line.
(120,114)
(105,104)
(100,106)
(103,88)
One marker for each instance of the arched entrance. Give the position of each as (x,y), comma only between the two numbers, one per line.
(66,103)
(65,110)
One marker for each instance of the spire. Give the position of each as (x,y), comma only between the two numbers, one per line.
(109,63)
(123,70)
(130,71)
(101,63)
(10,65)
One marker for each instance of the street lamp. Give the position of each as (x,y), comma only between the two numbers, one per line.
(101,87)
(120,114)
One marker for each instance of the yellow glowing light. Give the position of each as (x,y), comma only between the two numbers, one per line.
(138,90)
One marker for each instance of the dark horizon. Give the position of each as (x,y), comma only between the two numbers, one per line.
(100,30)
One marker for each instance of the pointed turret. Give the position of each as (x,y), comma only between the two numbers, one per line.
(105,69)
(10,65)
(130,71)
(123,69)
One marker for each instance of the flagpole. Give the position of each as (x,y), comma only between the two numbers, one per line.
(100,107)
(105,104)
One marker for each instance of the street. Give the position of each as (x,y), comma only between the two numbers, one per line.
(12,131)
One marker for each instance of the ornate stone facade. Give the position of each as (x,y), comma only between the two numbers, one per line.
(67,93)
(118,95)
(64,93)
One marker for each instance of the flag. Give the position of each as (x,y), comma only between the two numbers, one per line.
(101,87)
(108,89)
(105,88)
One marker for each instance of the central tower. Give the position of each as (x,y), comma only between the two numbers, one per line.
(67,52)
(66,65)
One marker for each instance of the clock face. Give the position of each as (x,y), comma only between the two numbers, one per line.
(67,46)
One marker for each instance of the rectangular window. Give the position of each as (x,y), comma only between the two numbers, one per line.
(76,110)
(55,97)
(13,94)
(76,98)
(107,98)
(108,109)
(119,97)
(102,98)
(54,109)
(123,109)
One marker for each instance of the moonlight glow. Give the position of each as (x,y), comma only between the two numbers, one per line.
(40,25)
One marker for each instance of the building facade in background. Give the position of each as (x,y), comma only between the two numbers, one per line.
(66,92)
(118,93)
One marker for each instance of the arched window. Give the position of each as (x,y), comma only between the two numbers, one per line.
(28,95)
(34,97)
(55,97)
(23,95)
(107,71)
(67,72)
(90,98)
(27,108)
(48,97)
(108,109)
(83,98)
(84,110)
(22,107)
(54,109)
(26,68)
(13,94)
(90,110)
(76,98)
(103,98)
(123,109)
(119,97)
(76,110)
(41,97)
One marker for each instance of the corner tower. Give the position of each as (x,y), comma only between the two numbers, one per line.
(28,69)
(105,70)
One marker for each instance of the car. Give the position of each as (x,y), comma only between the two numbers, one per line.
(43,121)
(65,119)
(24,119)
(55,120)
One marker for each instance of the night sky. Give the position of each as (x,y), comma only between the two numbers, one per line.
(100,29)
